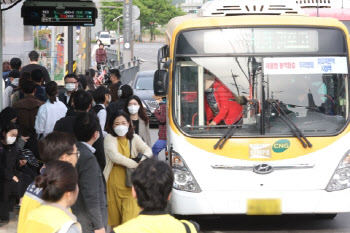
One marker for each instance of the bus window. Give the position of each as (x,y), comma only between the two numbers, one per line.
(216,90)
(247,68)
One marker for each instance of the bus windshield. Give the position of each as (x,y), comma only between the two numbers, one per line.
(221,81)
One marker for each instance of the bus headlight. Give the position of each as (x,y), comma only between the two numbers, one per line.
(183,178)
(341,177)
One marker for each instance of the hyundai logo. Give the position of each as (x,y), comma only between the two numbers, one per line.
(262,168)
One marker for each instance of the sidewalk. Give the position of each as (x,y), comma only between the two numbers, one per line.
(11,227)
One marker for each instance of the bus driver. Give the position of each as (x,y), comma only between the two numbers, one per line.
(220,103)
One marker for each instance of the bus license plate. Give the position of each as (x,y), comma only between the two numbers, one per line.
(264,207)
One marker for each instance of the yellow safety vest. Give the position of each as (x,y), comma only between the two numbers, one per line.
(48,219)
(155,224)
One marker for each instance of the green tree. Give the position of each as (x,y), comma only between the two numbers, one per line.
(152,13)
(109,14)
(156,12)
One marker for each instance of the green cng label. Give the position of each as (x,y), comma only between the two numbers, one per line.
(281,145)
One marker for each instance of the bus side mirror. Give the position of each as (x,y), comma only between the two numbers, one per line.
(160,82)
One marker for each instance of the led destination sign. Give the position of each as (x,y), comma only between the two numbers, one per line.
(56,16)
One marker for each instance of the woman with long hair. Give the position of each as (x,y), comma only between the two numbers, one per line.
(138,115)
(9,174)
(59,183)
(90,79)
(50,112)
(122,149)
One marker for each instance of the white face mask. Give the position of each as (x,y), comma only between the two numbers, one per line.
(11,140)
(70,86)
(121,130)
(133,109)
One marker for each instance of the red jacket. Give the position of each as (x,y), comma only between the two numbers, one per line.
(229,109)
(101,55)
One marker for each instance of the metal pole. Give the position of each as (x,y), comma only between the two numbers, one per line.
(53,48)
(1,82)
(37,37)
(317,7)
(118,37)
(88,47)
(70,49)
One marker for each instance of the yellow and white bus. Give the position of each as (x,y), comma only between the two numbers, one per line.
(269,134)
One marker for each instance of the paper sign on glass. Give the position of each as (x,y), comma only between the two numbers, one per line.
(305,65)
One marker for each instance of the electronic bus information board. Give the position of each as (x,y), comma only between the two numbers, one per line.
(59,13)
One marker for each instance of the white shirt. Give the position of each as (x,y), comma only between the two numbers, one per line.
(6,101)
(102,116)
(48,115)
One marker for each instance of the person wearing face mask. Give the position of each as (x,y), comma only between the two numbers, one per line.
(122,147)
(59,183)
(9,169)
(140,121)
(102,99)
(91,205)
(71,83)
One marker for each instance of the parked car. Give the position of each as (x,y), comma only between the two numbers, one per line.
(105,38)
(143,88)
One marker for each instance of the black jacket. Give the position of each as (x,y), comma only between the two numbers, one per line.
(91,205)
(66,124)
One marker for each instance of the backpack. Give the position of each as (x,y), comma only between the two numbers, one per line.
(14,88)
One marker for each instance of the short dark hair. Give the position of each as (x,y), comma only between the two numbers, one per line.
(71,75)
(14,74)
(101,44)
(28,87)
(7,115)
(110,130)
(100,94)
(116,73)
(51,90)
(37,75)
(15,63)
(153,182)
(54,145)
(58,177)
(82,100)
(33,56)
(25,76)
(125,91)
(85,126)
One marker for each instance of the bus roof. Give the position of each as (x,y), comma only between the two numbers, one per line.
(340,14)
(194,21)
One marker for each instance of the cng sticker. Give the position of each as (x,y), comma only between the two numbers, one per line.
(281,145)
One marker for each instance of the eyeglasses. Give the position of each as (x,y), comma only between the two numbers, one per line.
(78,154)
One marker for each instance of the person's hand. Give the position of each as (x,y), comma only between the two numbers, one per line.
(159,100)
(102,230)
(22,162)
(212,123)
(15,179)
(25,138)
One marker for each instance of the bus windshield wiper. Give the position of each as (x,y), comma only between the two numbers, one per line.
(232,128)
(296,131)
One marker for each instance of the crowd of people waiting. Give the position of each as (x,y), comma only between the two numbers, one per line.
(79,159)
